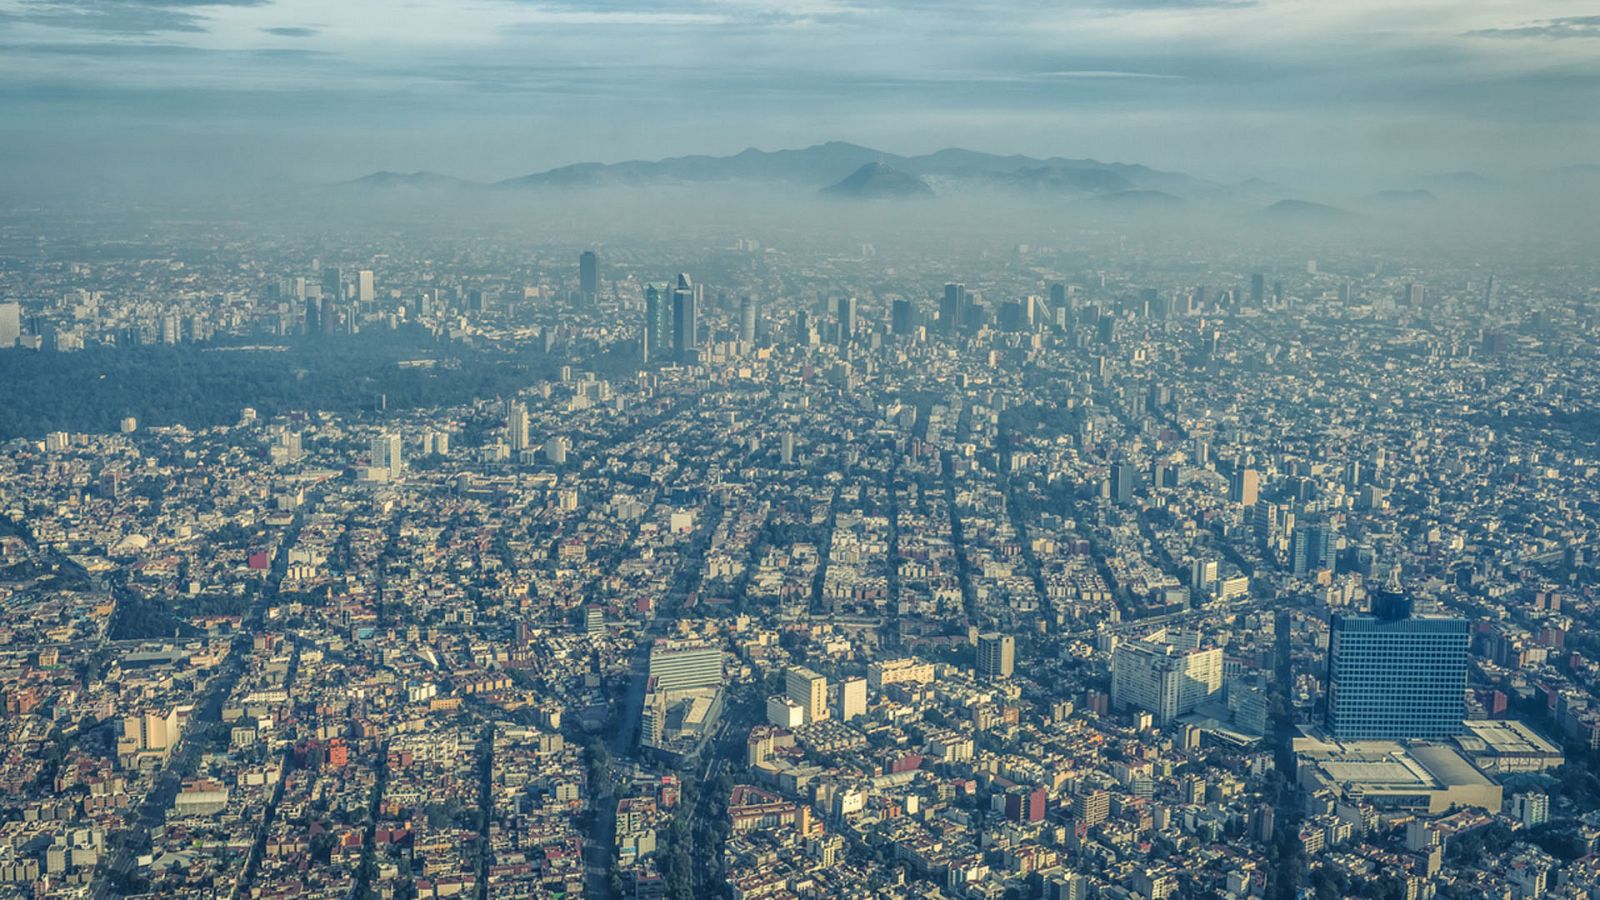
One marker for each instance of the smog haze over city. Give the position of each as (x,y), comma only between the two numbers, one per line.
(823,449)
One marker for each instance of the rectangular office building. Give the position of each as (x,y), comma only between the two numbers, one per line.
(1394,678)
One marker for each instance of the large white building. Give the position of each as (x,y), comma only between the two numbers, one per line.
(1164,678)
(852,698)
(388,452)
(684,665)
(810,691)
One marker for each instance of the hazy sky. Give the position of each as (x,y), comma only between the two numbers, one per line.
(318,89)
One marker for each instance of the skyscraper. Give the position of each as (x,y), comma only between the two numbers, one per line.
(1244,486)
(589,275)
(902,317)
(1311,549)
(1122,483)
(1394,676)
(388,452)
(997,655)
(847,320)
(366,292)
(685,320)
(1162,678)
(517,428)
(953,308)
(332,285)
(1258,289)
(657,324)
(747,319)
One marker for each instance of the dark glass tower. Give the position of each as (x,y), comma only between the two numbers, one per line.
(685,319)
(1394,676)
(589,275)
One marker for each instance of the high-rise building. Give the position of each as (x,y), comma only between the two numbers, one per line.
(1416,294)
(902,317)
(1311,549)
(1258,289)
(1122,480)
(685,319)
(332,285)
(684,665)
(366,292)
(388,452)
(517,428)
(1393,676)
(808,689)
(997,655)
(657,325)
(786,448)
(847,320)
(852,698)
(1244,487)
(1164,678)
(589,275)
(953,308)
(10,324)
(747,319)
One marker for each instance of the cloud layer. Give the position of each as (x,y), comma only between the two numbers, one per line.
(494,88)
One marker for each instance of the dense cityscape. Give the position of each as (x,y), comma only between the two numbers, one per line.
(1105,565)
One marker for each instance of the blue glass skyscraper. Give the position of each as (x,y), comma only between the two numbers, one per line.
(1392,676)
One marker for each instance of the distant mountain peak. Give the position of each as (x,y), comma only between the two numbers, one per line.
(878,179)
(1307,211)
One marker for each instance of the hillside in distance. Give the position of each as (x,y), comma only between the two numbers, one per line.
(824,166)
(875,180)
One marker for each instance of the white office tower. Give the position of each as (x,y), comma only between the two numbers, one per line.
(1164,678)
(388,453)
(365,293)
(517,428)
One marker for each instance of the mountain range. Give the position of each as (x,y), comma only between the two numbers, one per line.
(827,167)
(838,169)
